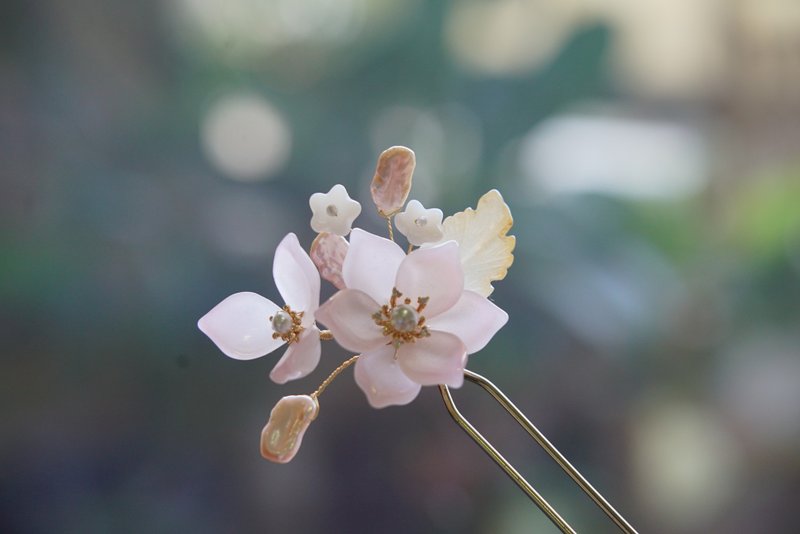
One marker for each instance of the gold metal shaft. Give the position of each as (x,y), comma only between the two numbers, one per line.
(543,442)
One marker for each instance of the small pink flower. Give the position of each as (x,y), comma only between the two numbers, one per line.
(409,317)
(247,326)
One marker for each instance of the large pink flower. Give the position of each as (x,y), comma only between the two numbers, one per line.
(409,317)
(246,325)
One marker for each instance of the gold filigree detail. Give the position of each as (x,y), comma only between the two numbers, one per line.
(383,318)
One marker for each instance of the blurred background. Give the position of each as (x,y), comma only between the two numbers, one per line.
(154,153)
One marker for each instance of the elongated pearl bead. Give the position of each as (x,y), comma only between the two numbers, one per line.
(288,421)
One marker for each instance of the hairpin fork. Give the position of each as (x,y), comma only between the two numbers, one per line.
(543,442)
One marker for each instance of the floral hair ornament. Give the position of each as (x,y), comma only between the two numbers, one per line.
(411,317)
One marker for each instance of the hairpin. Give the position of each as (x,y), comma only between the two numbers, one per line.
(411,317)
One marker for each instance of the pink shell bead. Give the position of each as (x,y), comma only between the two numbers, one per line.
(327,253)
(288,421)
(392,180)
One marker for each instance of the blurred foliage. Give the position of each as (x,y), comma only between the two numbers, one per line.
(629,317)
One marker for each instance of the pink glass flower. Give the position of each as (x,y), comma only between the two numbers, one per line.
(246,325)
(409,317)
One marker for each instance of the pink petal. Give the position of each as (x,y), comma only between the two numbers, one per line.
(392,180)
(240,327)
(348,314)
(433,272)
(438,359)
(379,376)
(371,264)
(328,252)
(296,277)
(474,319)
(299,359)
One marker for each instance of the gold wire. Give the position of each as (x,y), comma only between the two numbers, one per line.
(347,363)
(542,441)
(389,225)
(325,335)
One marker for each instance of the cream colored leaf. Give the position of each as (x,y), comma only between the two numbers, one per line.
(485,249)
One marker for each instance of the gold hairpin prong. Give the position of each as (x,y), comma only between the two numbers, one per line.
(543,442)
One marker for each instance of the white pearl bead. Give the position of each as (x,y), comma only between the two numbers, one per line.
(404,318)
(282,322)
(421,221)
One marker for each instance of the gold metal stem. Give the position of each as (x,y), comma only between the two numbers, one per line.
(389,225)
(345,364)
(325,335)
(543,442)
(476,436)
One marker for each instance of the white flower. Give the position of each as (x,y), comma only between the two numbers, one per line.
(334,211)
(420,225)
(246,325)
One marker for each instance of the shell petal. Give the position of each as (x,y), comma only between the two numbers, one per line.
(327,253)
(392,180)
(485,249)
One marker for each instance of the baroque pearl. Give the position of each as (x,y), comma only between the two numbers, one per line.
(404,318)
(282,322)
(421,221)
(288,421)
(332,210)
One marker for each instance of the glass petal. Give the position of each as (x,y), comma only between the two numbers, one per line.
(299,359)
(348,314)
(240,327)
(433,272)
(438,359)
(474,320)
(379,376)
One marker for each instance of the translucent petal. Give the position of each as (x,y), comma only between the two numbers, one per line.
(433,272)
(379,376)
(371,265)
(240,327)
(392,180)
(474,320)
(299,359)
(348,314)
(438,359)
(296,277)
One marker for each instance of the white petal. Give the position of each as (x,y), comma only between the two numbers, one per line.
(348,314)
(296,277)
(474,320)
(371,265)
(379,376)
(333,211)
(433,272)
(299,359)
(240,327)
(438,359)
(419,225)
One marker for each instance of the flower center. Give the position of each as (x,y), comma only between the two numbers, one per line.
(421,221)
(400,321)
(287,324)
(404,318)
(332,210)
